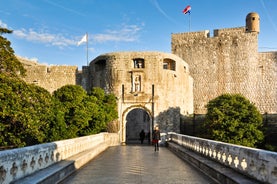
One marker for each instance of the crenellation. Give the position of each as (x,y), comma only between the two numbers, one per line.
(49,77)
(229,31)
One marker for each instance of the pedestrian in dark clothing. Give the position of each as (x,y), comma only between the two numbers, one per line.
(142,136)
(156,137)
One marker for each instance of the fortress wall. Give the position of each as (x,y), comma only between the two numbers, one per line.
(172,88)
(49,77)
(236,30)
(225,63)
(120,71)
(83,78)
(268,82)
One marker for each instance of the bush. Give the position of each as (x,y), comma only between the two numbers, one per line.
(25,111)
(233,119)
(103,113)
(78,113)
(72,112)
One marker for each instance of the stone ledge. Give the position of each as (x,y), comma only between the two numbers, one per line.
(63,169)
(218,172)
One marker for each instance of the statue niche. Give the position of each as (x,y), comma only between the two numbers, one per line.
(136,83)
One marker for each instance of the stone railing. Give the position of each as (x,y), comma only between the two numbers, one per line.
(21,162)
(255,163)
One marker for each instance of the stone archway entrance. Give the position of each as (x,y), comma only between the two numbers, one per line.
(137,120)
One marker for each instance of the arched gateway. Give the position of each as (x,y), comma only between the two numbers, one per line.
(135,119)
(154,85)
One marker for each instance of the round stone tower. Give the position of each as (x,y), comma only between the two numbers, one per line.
(253,22)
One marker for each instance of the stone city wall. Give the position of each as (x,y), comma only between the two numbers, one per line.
(228,63)
(50,78)
(267,82)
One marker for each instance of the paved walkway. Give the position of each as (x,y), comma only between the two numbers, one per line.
(134,164)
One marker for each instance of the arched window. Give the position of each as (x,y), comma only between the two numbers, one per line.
(169,64)
(138,63)
(100,65)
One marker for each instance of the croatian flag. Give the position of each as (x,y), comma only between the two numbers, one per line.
(187,9)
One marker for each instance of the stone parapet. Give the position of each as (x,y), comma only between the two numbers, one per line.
(17,164)
(258,164)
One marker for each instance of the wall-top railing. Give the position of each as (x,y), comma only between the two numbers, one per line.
(255,163)
(21,162)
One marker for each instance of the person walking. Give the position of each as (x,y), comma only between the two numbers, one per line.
(142,136)
(156,136)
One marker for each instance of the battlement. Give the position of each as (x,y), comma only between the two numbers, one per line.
(200,34)
(237,30)
(49,77)
(207,33)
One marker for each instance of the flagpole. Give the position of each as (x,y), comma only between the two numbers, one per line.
(87,47)
(187,10)
(189,22)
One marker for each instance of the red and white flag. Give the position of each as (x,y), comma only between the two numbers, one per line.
(187,10)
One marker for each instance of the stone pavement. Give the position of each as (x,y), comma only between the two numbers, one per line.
(134,164)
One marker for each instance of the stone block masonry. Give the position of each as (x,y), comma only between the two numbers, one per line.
(228,63)
(49,77)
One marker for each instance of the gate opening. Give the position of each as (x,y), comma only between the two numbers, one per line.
(137,120)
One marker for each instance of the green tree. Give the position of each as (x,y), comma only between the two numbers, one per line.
(24,112)
(72,112)
(104,112)
(8,62)
(233,119)
(24,108)
(107,103)
(110,107)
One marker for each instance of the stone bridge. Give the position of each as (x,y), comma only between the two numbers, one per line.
(221,162)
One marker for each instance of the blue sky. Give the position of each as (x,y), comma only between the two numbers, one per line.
(48,30)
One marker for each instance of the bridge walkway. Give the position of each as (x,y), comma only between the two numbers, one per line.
(135,164)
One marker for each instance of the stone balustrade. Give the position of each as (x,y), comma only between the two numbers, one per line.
(21,162)
(255,163)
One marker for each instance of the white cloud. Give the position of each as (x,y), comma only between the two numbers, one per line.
(127,33)
(3,25)
(43,37)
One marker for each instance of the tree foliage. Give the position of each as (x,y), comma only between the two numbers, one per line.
(8,61)
(31,115)
(71,110)
(104,112)
(25,111)
(233,119)
(79,113)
